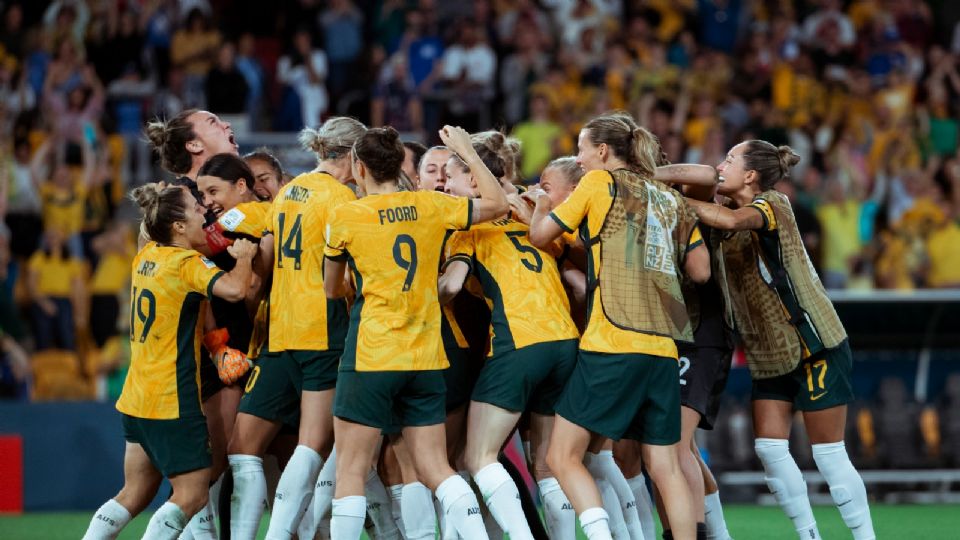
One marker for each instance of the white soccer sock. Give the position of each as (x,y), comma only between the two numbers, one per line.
(307,528)
(166,524)
(107,521)
(611,505)
(396,510)
(186,534)
(294,492)
(249,496)
(787,485)
(557,511)
(607,469)
(203,525)
(447,531)
(713,517)
(349,513)
(378,508)
(846,487)
(595,524)
(461,508)
(638,485)
(214,496)
(419,515)
(502,497)
(323,496)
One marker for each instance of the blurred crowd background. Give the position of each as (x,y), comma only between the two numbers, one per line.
(866,91)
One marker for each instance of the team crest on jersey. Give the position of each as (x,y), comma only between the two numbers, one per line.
(232,219)
(207,262)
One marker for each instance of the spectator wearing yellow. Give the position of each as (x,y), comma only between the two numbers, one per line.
(55,283)
(538,136)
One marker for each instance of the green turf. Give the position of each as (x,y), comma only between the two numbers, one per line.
(933,522)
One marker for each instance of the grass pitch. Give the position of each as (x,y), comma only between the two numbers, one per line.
(746,522)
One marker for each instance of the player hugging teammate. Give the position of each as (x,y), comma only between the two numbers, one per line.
(408,309)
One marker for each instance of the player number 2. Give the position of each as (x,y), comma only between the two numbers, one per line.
(143,308)
(822,366)
(537,263)
(684,367)
(408,264)
(289,243)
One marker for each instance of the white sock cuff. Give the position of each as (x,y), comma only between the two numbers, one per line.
(307,452)
(605,454)
(395,491)
(548,485)
(491,477)
(761,442)
(452,489)
(244,461)
(772,450)
(175,512)
(592,515)
(118,510)
(352,506)
(637,481)
(825,449)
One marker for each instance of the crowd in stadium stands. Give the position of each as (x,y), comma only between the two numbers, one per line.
(865,90)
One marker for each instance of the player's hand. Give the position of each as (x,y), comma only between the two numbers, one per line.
(242,249)
(457,140)
(231,364)
(539,198)
(520,208)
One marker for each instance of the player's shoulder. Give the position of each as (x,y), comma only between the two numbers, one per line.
(596,177)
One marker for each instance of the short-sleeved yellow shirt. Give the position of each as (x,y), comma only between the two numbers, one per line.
(168,287)
(393,243)
(521,284)
(247,219)
(585,211)
(298,304)
(55,274)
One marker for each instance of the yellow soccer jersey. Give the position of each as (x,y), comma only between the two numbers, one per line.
(585,211)
(521,284)
(247,219)
(168,287)
(298,304)
(393,244)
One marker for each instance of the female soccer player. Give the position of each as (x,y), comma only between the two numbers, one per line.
(163,419)
(184,143)
(795,344)
(267,171)
(640,234)
(298,373)
(533,349)
(390,373)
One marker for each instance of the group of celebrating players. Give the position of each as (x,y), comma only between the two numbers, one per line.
(383,324)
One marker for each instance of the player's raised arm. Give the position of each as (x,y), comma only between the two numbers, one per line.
(492,202)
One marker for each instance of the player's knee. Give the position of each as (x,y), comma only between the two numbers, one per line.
(560,459)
